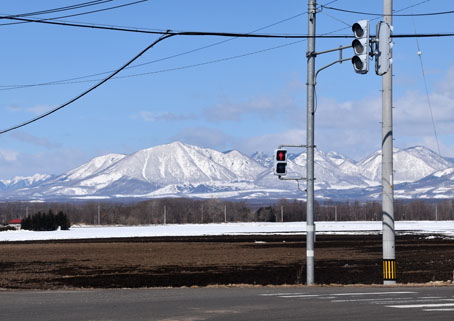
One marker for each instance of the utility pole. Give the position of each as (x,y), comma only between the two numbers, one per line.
(310,226)
(389,255)
(165,215)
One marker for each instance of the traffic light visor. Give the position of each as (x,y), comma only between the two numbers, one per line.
(358,31)
(357,46)
(357,63)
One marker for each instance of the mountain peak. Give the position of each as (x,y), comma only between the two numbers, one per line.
(177,169)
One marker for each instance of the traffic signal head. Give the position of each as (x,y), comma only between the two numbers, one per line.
(360,46)
(280,162)
(383,58)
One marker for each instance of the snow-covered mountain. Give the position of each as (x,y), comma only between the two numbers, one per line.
(21,182)
(177,169)
(410,164)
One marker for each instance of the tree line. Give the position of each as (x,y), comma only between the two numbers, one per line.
(46,221)
(185,210)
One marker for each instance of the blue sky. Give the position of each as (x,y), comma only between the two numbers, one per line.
(250,103)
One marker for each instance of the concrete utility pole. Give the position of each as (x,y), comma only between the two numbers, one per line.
(389,253)
(310,226)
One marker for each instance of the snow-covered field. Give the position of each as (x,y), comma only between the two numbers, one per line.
(355,227)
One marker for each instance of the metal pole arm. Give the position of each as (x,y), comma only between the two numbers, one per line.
(331,50)
(329,65)
(298,146)
(292,178)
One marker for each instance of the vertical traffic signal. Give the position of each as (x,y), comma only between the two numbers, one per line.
(360,46)
(280,162)
(384,44)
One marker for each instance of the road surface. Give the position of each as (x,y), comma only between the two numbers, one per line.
(248,303)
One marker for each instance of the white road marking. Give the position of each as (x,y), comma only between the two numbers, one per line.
(280,294)
(439,310)
(414,306)
(372,293)
(300,296)
(373,300)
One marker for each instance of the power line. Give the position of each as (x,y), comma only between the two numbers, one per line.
(427,90)
(77,79)
(66,8)
(71,80)
(80,14)
(88,90)
(210,33)
(393,15)
(66,82)
(180,33)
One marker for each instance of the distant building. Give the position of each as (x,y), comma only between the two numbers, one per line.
(16,223)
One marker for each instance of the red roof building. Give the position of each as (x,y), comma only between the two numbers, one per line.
(15,221)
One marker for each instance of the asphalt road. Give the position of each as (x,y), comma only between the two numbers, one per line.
(249,303)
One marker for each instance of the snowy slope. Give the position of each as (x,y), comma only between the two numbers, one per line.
(177,169)
(410,164)
(21,182)
(437,185)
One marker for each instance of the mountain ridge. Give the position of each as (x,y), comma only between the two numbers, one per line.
(182,170)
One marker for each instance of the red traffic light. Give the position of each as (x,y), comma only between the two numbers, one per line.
(280,162)
(281,155)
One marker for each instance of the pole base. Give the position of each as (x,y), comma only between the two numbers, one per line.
(389,271)
(389,282)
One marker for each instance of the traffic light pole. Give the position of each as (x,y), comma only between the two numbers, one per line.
(310,226)
(389,256)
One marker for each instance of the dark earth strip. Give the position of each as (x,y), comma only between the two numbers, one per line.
(201,261)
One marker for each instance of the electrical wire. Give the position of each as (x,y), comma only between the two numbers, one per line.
(163,36)
(88,90)
(66,8)
(337,19)
(163,70)
(378,17)
(70,80)
(79,14)
(180,33)
(393,15)
(426,88)
(76,79)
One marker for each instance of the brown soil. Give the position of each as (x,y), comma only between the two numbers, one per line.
(190,261)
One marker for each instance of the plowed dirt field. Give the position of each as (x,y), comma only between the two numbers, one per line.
(201,261)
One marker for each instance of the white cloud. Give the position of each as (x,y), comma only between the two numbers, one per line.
(48,162)
(267,143)
(34,140)
(36,110)
(149,116)
(39,109)
(204,137)
(282,106)
(8,155)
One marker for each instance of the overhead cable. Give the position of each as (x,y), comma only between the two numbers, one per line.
(88,90)
(66,8)
(427,89)
(393,15)
(79,14)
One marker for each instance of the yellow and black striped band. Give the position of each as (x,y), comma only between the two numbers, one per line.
(389,270)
